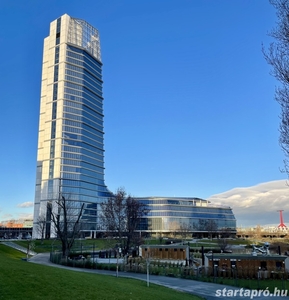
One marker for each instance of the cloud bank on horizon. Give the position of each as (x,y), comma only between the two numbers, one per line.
(22,212)
(257,205)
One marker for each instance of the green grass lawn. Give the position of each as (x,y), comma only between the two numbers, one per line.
(48,245)
(23,280)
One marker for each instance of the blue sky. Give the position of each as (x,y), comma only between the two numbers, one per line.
(189,102)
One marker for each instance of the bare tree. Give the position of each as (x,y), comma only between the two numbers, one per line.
(121,216)
(41,226)
(174,228)
(65,217)
(185,230)
(209,226)
(223,240)
(135,210)
(113,214)
(277,56)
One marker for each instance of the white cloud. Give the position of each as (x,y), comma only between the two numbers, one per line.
(258,204)
(25,204)
(27,216)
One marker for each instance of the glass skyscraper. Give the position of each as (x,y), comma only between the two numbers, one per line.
(70,157)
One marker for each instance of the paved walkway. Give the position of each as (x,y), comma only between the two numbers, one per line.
(206,290)
(19,248)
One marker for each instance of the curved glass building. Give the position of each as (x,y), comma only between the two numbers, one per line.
(167,215)
(70,157)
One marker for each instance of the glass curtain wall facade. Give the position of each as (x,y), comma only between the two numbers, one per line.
(70,157)
(175,215)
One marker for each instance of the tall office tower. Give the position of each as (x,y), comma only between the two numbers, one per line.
(70,158)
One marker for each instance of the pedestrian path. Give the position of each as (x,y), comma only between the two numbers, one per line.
(209,291)
(19,248)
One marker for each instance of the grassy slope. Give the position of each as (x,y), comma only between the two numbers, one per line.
(48,245)
(23,280)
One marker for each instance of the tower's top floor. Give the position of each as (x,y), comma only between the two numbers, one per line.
(77,32)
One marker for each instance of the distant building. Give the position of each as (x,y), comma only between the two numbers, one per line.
(20,223)
(13,229)
(261,232)
(28,223)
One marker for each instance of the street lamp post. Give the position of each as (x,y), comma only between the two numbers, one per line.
(148,260)
(117,256)
(259,275)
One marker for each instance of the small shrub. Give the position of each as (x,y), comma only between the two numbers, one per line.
(88,264)
(113,268)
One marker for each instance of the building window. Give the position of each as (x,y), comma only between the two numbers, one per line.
(278,265)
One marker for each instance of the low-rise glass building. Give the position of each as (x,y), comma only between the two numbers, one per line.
(193,216)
